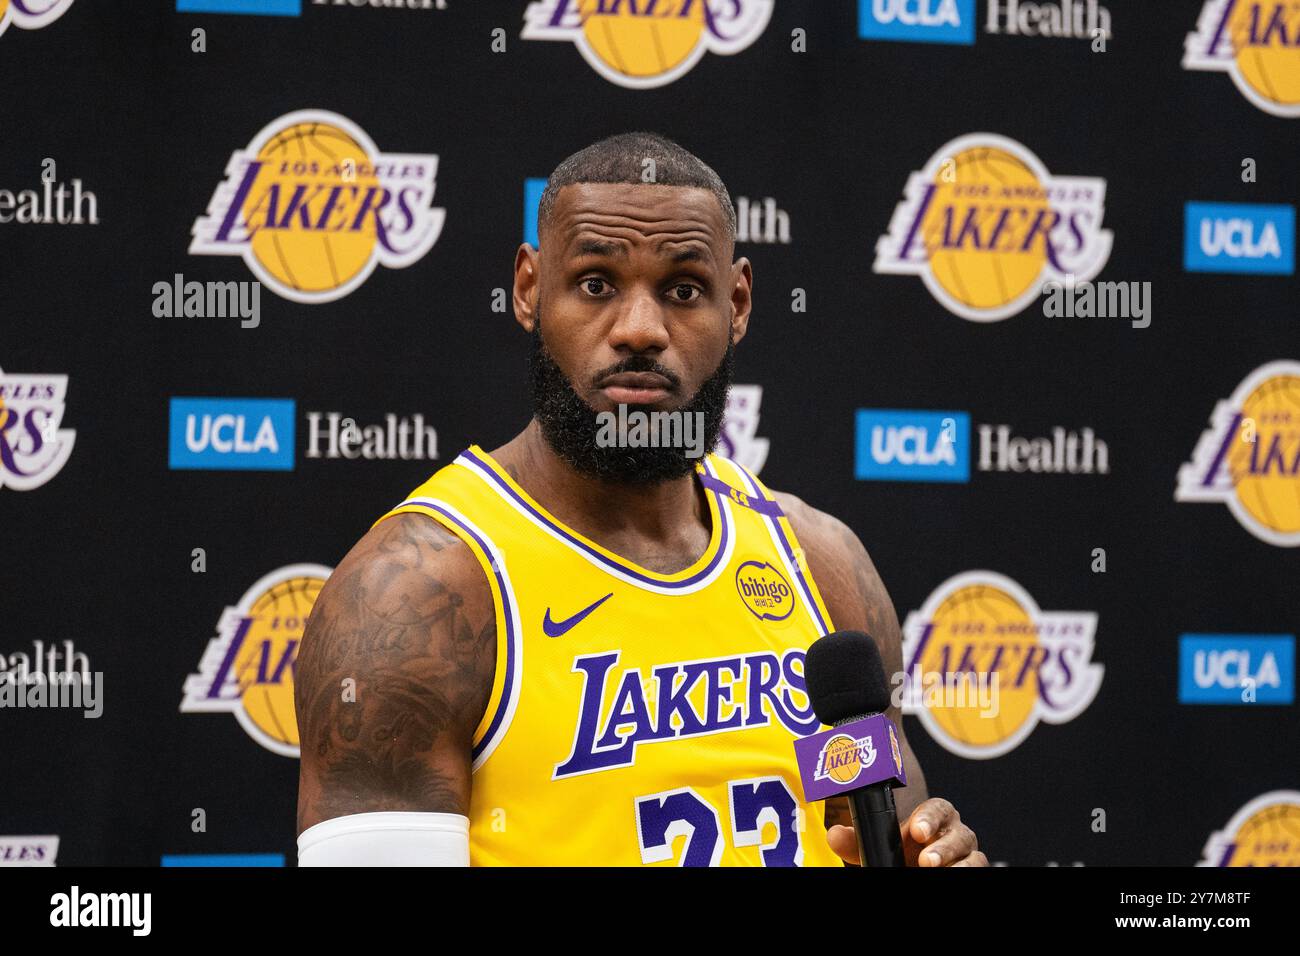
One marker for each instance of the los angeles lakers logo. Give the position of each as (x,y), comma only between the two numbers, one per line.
(247,669)
(985,664)
(1265,832)
(1257,43)
(642,45)
(1249,457)
(313,206)
(31,14)
(985,226)
(843,758)
(33,448)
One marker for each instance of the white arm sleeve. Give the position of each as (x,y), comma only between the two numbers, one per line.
(387,838)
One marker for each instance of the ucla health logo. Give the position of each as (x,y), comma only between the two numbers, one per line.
(985,226)
(33,448)
(910,445)
(312,206)
(267,8)
(1257,43)
(1265,832)
(1239,237)
(1249,457)
(985,664)
(231,433)
(1236,669)
(247,669)
(276,8)
(648,44)
(31,14)
(924,21)
(764,590)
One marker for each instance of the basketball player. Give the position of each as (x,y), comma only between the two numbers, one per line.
(559,652)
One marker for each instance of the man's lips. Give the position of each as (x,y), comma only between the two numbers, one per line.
(635,388)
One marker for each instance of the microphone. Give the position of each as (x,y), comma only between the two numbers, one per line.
(847,688)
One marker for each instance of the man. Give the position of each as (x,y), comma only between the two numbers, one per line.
(575,649)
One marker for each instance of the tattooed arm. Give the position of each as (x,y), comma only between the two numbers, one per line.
(933,833)
(393,675)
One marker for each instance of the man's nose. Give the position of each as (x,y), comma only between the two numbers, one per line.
(639,326)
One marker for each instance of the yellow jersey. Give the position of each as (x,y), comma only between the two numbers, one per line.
(638,718)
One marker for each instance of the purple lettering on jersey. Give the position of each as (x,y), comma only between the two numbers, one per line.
(764,674)
(672,701)
(607,734)
(585,758)
(629,710)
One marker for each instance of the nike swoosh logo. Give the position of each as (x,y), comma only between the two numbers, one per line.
(556,628)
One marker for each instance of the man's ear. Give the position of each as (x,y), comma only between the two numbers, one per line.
(527,283)
(742,292)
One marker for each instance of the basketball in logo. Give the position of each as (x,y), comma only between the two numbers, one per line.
(1249,457)
(312,207)
(1265,832)
(643,45)
(247,669)
(986,227)
(840,757)
(1254,42)
(981,610)
(314,157)
(640,46)
(1271,495)
(967,272)
(985,664)
(264,665)
(1264,38)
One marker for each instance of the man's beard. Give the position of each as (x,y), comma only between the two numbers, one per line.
(570,425)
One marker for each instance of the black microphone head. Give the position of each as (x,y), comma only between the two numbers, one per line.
(845,677)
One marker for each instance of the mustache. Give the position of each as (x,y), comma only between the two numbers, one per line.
(637,363)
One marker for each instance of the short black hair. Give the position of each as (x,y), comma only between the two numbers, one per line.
(621,159)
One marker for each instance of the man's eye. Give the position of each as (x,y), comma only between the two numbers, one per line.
(685,292)
(593,285)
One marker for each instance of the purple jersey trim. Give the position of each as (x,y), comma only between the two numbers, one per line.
(757,491)
(504,703)
(470,460)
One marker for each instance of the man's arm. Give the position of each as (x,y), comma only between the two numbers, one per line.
(857,600)
(393,675)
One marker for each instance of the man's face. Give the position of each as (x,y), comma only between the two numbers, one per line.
(642,305)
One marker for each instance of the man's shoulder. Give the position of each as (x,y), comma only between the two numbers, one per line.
(817,530)
(407,560)
(844,572)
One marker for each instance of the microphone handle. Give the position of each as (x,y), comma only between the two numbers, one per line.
(875,820)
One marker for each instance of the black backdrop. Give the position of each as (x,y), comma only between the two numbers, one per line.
(101,554)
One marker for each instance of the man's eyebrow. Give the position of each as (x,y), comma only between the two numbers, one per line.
(600,247)
(691,254)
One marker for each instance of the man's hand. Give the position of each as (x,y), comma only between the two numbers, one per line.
(932,836)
